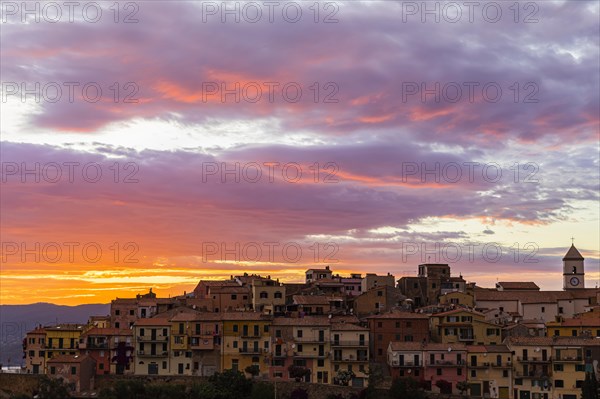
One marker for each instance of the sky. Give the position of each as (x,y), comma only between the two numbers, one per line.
(153,144)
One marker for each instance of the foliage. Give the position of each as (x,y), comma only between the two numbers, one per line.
(298,372)
(375,374)
(344,377)
(261,390)
(590,387)
(406,388)
(299,393)
(253,370)
(53,388)
(230,384)
(463,386)
(444,386)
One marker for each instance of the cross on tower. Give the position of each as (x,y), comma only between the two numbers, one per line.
(572,240)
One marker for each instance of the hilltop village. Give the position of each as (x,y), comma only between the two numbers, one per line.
(510,341)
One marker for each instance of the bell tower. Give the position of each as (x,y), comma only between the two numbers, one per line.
(573,272)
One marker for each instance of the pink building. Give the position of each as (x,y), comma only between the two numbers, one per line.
(444,362)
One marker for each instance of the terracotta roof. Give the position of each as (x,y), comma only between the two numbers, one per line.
(399,315)
(415,346)
(459,310)
(488,349)
(319,270)
(68,359)
(302,321)
(534,296)
(233,316)
(518,285)
(196,316)
(154,321)
(576,322)
(347,327)
(573,254)
(314,299)
(552,341)
(107,331)
(66,327)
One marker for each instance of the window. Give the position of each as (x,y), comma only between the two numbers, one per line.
(579,367)
(277,333)
(117,324)
(278,295)
(408,324)
(459,371)
(574,333)
(556,333)
(266,328)
(560,310)
(579,384)
(408,338)
(52,370)
(439,371)
(117,312)
(433,285)
(132,312)
(73,370)
(559,383)
(380,337)
(543,309)
(320,363)
(505,373)
(473,373)
(379,293)
(397,324)
(164,365)
(233,296)
(380,351)
(397,337)
(235,344)
(379,324)
(299,333)
(264,295)
(300,347)
(558,367)
(101,366)
(235,328)
(519,381)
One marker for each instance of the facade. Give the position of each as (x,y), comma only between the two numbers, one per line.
(246,341)
(34,348)
(405,359)
(444,362)
(268,296)
(76,371)
(111,348)
(350,347)
(464,326)
(372,280)
(313,275)
(573,270)
(378,300)
(489,371)
(152,346)
(585,324)
(395,327)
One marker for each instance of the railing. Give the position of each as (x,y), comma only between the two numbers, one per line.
(407,364)
(351,358)
(147,338)
(349,343)
(534,359)
(466,338)
(446,363)
(533,374)
(569,359)
(502,365)
(309,340)
(151,354)
(251,350)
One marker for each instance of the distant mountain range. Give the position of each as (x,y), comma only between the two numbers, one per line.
(16,320)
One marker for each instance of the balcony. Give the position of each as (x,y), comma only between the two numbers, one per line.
(535,374)
(94,345)
(253,351)
(152,354)
(407,364)
(466,338)
(567,359)
(350,343)
(479,365)
(350,359)
(446,363)
(280,355)
(506,365)
(146,338)
(530,359)
(309,340)
(202,343)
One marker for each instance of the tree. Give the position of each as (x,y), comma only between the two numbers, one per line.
(298,372)
(444,386)
(230,384)
(53,388)
(406,388)
(262,390)
(375,374)
(463,386)
(253,370)
(299,393)
(590,387)
(345,376)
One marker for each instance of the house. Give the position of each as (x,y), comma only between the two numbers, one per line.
(489,369)
(76,371)
(350,347)
(378,300)
(313,275)
(395,326)
(465,326)
(152,345)
(246,341)
(372,280)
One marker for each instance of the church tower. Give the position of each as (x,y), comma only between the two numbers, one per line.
(573,272)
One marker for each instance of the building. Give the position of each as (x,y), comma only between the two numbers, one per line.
(489,369)
(151,342)
(444,362)
(573,270)
(405,359)
(378,300)
(268,295)
(352,285)
(517,286)
(246,341)
(350,347)
(432,280)
(76,371)
(111,348)
(318,304)
(195,343)
(464,326)
(395,326)
(34,351)
(313,275)
(372,280)
(576,326)
(301,342)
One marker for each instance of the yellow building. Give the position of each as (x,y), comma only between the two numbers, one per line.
(457,298)
(63,339)
(151,341)
(532,366)
(489,371)
(568,368)
(583,325)
(464,326)
(246,341)
(350,347)
(268,295)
